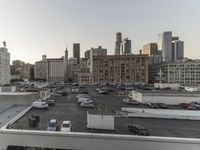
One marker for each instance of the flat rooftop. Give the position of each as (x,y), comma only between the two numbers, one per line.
(168,92)
(66,108)
(17,93)
(10,113)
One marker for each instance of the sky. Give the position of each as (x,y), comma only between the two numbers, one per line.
(33,28)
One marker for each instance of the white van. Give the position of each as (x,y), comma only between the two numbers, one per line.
(39,104)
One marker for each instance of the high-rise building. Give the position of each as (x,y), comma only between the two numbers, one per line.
(177,50)
(5,66)
(118,43)
(65,64)
(126,46)
(165,45)
(76,51)
(66,55)
(150,49)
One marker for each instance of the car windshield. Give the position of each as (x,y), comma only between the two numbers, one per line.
(52,124)
(66,125)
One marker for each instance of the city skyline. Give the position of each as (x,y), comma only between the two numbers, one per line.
(34,28)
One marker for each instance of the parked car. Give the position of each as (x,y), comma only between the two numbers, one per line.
(188,106)
(64,93)
(56,94)
(66,126)
(50,102)
(84,96)
(83,92)
(87,105)
(103,91)
(129,88)
(84,100)
(162,105)
(130,101)
(76,90)
(138,129)
(152,105)
(196,103)
(40,104)
(52,126)
(81,95)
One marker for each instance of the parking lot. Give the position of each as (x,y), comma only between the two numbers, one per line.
(66,108)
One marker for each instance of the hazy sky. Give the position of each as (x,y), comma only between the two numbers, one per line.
(32,28)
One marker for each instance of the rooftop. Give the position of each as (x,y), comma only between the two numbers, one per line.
(66,108)
(168,92)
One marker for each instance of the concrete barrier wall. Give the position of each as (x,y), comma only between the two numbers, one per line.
(172,100)
(91,141)
(7,101)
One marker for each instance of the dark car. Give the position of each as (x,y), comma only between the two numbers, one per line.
(83,92)
(152,105)
(50,102)
(64,93)
(138,129)
(162,105)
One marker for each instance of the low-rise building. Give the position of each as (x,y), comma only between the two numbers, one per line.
(55,70)
(84,77)
(41,70)
(185,73)
(171,97)
(121,69)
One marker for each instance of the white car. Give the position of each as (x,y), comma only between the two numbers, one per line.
(81,95)
(87,105)
(66,126)
(39,104)
(84,97)
(84,100)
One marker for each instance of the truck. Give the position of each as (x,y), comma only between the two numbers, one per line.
(101,122)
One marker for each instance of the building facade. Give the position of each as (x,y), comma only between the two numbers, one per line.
(40,70)
(99,51)
(4,66)
(185,73)
(84,77)
(177,50)
(120,69)
(150,49)
(55,70)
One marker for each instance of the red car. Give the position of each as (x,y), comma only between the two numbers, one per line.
(188,106)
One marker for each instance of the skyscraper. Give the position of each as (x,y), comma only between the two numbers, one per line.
(165,45)
(5,65)
(127,46)
(76,51)
(177,50)
(66,55)
(118,43)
